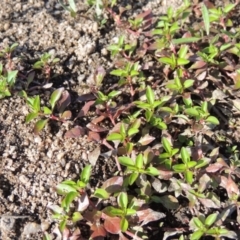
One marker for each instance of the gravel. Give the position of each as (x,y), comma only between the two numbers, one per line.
(31,166)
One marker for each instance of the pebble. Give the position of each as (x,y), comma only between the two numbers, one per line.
(31,228)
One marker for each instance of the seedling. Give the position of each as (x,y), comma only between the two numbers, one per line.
(70,8)
(46,63)
(123,211)
(45,112)
(7,81)
(205,227)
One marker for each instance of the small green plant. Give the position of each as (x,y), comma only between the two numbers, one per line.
(71,8)
(205,227)
(123,211)
(150,107)
(7,81)
(138,167)
(45,112)
(200,113)
(46,63)
(71,190)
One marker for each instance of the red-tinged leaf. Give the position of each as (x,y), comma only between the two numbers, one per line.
(64,101)
(94,136)
(86,97)
(98,119)
(98,231)
(66,115)
(214,167)
(116,128)
(83,112)
(75,132)
(55,96)
(230,186)
(112,224)
(146,140)
(83,202)
(39,126)
(208,203)
(168,201)
(113,185)
(92,215)
(95,128)
(198,64)
(148,215)
(66,234)
(122,237)
(76,235)
(164,173)
(93,156)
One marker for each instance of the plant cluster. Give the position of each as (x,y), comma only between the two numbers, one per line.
(162,114)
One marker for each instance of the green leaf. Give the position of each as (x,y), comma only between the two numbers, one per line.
(148,115)
(38,65)
(112,211)
(114,94)
(114,137)
(166,60)
(47,111)
(211,219)
(133,177)
(36,104)
(185,155)
(197,235)
(191,164)
(68,200)
(130,212)
(40,125)
(31,116)
(179,168)
(152,171)
(118,72)
(188,83)
(185,40)
(86,173)
(122,200)
(198,223)
(166,145)
(63,189)
(139,161)
(47,236)
(62,225)
(206,20)
(55,97)
(192,112)
(122,129)
(183,51)
(150,95)
(189,176)
(228,8)
(101,193)
(77,216)
(124,224)
(132,131)
(213,120)
(182,61)
(11,77)
(126,161)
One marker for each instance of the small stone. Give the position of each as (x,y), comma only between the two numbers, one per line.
(45,225)
(23,179)
(6,26)
(31,228)
(7,223)
(104,51)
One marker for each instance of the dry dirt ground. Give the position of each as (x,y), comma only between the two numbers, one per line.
(31,166)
